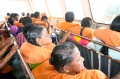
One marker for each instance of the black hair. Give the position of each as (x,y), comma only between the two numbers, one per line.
(34,33)
(32,15)
(8,14)
(12,15)
(11,21)
(104,50)
(62,55)
(44,17)
(115,25)
(26,28)
(23,14)
(69,16)
(36,14)
(26,20)
(21,20)
(28,14)
(86,22)
(15,15)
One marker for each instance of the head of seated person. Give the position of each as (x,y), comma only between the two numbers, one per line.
(16,17)
(23,14)
(8,14)
(28,15)
(115,25)
(66,59)
(26,28)
(32,15)
(12,15)
(38,36)
(86,22)
(37,14)
(26,20)
(69,16)
(11,21)
(44,18)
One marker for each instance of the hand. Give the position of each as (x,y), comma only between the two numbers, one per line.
(10,40)
(15,47)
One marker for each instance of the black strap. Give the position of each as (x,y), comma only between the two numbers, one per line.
(82,31)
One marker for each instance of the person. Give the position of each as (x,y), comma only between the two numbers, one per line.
(36,17)
(20,37)
(28,15)
(66,63)
(43,22)
(26,20)
(13,28)
(7,16)
(5,69)
(23,15)
(69,17)
(16,20)
(16,17)
(85,29)
(32,15)
(109,36)
(40,41)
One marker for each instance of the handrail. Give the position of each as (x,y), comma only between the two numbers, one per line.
(94,41)
(94,51)
(22,60)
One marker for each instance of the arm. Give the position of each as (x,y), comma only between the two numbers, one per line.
(5,46)
(7,41)
(65,37)
(4,62)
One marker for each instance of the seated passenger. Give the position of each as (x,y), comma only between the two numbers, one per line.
(13,28)
(7,16)
(5,69)
(36,17)
(16,20)
(23,15)
(109,36)
(42,14)
(69,17)
(28,15)
(32,15)
(43,22)
(39,40)
(86,31)
(66,63)
(20,37)
(12,15)
(41,44)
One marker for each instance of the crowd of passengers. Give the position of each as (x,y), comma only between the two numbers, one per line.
(62,61)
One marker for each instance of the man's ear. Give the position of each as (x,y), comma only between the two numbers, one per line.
(66,69)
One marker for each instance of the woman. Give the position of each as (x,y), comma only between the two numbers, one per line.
(20,37)
(39,45)
(36,17)
(66,63)
(85,30)
(109,36)
(14,28)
